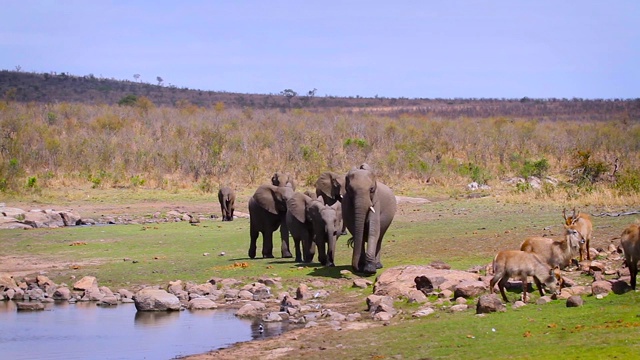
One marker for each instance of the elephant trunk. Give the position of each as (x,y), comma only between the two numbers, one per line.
(361,212)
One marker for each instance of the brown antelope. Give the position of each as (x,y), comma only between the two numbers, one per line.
(582,223)
(630,242)
(555,252)
(522,264)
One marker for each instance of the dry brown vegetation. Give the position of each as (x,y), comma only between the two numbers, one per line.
(45,145)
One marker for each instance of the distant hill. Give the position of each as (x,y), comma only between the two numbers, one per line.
(63,87)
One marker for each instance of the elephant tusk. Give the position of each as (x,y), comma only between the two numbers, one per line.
(372,210)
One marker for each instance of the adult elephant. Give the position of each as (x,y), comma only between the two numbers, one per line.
(300,226)
(267,212)
(283,179)
(368,209)
(327,227)
(330,186)
(227,199)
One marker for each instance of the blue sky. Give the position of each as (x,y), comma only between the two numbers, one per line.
(414,49)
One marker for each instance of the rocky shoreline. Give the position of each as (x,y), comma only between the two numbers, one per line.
(16,218)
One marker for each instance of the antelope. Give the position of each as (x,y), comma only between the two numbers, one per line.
(582,223)
(630,242)
(555,252)
(522,264)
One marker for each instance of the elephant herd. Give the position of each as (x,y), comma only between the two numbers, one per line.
(356,202)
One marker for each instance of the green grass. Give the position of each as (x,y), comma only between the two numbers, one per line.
(463,233)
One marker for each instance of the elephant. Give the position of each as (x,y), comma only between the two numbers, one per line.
(300,226)
(283,179)
(227,198)
(267,212)
(330,186)
(327,227)
(368,208)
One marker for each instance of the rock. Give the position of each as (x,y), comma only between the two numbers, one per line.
(7,282)
(245,295)
(201,304)
(85,283)
(575,301)
(303,292)
(416,296)
(317,284)
(30,306)
(320,294)
(601,287)
(543,300)
(593,253)
(596,266)
(62,293)
(247,310)
(423,284)
(440,265)
(155,300)
(93,294)
(620,287)
(423,312)
(445,294)
(311,324)
(459,308)
(109,300)
(518,304)
(272,317)
(361,283)
(469,289)
(398,281)
(382,316)
(353,317)
(489,303)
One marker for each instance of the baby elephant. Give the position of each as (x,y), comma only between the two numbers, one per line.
(522,264)
(227,198)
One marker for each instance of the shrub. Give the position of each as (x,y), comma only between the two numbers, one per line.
(587,171)
(534,168)
(475,172)
(628,182)
(129,100)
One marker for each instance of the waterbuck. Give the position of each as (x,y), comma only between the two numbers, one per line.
(582,223)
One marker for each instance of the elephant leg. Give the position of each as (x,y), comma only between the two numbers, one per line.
(309,246)
(296,243)
(253,233)
(267,244)
(284,235)
(373,241)
(322,252)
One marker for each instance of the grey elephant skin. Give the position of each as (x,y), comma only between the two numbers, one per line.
(368,208)
(283,179)
(327,227)
(267,213)
(227,199)
(300,226)
(330,186)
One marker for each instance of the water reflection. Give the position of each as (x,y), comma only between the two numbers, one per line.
(156,318)
(86,331)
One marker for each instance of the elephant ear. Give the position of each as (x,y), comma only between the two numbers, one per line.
(323,184)
(265,196)
(297,206)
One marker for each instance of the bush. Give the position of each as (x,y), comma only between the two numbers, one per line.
(628,182)
(129,100)
(475,172)
(534,168)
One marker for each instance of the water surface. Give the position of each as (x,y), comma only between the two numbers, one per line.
(87,331)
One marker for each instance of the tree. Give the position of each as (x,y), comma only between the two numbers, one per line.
(160,80)
(289,94)
(137,77)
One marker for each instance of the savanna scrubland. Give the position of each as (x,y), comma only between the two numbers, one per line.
(124,155)
(138,144)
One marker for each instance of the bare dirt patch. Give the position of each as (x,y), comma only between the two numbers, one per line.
(21,265)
